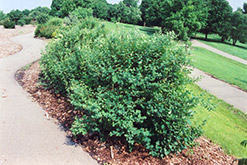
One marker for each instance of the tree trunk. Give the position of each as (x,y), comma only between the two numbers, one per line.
(206,36)
(222,39)
(234,42)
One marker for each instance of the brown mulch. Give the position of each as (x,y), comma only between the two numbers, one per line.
(8,47)
(113,151)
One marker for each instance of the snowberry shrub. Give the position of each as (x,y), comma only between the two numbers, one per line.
(128,85)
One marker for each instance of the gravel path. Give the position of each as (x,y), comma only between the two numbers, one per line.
(26,136)
(200,44)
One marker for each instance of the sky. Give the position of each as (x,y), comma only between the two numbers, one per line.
(8,5)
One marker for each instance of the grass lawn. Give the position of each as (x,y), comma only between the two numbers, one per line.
(145,30)
(221,67)
(239,50)
(225,125)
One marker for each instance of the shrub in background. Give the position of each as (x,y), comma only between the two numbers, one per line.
(55,21)
(21,22)
(47,30)
(128,85)
(8,24)
(42,18)
(27,20)
(71,20)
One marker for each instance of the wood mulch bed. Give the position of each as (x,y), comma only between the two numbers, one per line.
(113,151)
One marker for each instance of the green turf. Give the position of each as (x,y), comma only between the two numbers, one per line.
(145,30)
(225,125)
(239,50)
(221,67)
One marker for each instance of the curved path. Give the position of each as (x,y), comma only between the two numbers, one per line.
(202,45)
(26,136)
(220,89)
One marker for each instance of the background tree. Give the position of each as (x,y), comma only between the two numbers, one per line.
(112,12)
(239,27)
(183,17)
(15,15)
(62,8)
(101,9)
(67,7)
(127,14)
(40,9)
(219,16)
(2,15)
(81,13)
(131,3)
(245,8)
(26,12)
(56,5)
(145,5)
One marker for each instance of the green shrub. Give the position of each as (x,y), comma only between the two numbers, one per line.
(8,24)
(55,21)
(71,20)
(27,20)
(82,13)
(21,22)
(1,22)
(128,85)
(43,30)
(42,18)
(48,29)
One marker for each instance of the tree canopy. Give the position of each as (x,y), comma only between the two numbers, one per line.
(239,27)
(185,17)
(219,16)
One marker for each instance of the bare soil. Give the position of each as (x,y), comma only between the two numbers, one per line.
(8,47)
(113,151)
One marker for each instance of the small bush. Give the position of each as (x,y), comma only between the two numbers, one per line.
(43,30)
(55,22)
(48,30)
(21,22)
(128,85)
(42,18)
(71,20)
(27,20)
(8,24)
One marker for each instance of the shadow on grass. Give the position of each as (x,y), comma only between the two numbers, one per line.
(243,81)
(147,30)
(218,41)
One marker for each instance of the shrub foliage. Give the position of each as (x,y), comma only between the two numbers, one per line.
(48,29)
(8,24)
(128,85)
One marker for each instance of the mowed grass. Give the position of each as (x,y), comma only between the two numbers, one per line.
(239,50)
(145,30)
(225,125)
(221,67)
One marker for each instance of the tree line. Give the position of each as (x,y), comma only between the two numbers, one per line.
(17,17)
(184,17)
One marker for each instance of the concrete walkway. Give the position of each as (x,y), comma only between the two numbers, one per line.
(222,90)
(26,136)
(200,44)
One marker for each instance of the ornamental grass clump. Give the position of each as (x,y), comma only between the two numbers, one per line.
(128,85)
